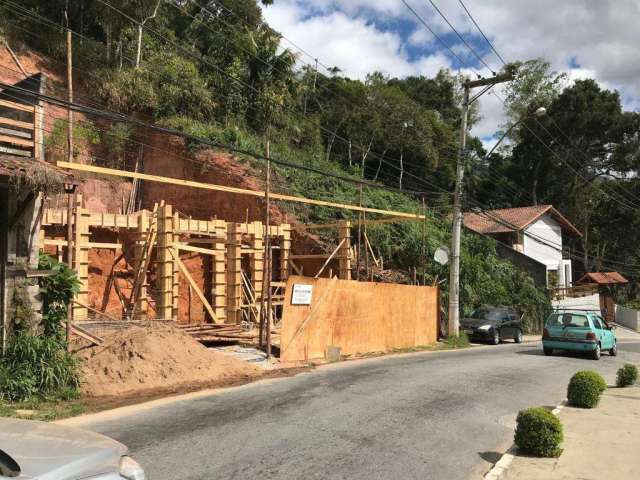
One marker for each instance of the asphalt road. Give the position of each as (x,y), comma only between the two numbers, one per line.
(443,415)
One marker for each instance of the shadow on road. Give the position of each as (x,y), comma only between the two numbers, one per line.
(490,457)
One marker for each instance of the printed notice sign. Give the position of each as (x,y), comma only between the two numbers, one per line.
(301,294)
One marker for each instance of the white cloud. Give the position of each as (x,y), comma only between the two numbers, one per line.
(354,44)
(584,38)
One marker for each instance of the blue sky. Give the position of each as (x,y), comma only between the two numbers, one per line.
(584,38)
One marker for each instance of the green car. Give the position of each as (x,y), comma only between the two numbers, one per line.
(578,331)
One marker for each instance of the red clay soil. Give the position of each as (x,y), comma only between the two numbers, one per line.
(143,359)
(169,158)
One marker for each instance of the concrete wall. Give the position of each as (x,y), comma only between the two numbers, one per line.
(628,317)
(589,302)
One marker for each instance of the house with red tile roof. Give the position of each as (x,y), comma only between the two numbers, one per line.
(537,231)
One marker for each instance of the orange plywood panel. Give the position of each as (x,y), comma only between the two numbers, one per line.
(359,317)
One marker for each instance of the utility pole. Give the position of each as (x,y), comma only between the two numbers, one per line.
(454,272)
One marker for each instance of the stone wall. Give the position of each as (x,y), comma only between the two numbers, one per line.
(20,255)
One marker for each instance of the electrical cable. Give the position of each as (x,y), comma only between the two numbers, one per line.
(481,32)
(480,59)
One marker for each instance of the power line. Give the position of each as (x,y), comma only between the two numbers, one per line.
(480,59)
(423,22)
(481,32)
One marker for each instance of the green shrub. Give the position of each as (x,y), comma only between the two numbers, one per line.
(585,388)
(38,366)
(627,375)
(538,432)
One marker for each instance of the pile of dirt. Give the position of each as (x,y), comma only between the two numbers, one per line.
(146,359)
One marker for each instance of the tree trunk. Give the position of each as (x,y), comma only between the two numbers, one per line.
(401,167)
(139,48)
(365,154)
(379,165)
(108,35)
(534,185)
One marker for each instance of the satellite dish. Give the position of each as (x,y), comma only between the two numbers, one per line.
(442,255)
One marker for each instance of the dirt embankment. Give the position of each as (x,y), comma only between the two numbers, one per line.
(140,360)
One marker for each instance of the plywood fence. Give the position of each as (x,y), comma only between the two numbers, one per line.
(358,317)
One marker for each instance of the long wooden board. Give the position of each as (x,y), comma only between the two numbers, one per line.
(223,188)
(358,317)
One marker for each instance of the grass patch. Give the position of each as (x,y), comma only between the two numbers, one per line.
(42,410)
(457,341)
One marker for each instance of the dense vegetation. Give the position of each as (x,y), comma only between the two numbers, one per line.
(37,365)
(214,69)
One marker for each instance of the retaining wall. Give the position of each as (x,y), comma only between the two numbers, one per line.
(628,317)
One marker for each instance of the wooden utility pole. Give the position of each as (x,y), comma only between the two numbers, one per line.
(70,92)
(71,198)
(454,272)
(267,260)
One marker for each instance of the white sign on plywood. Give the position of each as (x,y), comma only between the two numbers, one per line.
(301,294)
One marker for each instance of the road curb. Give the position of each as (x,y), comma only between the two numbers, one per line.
(502,465)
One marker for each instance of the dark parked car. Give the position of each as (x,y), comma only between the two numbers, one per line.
(493,324)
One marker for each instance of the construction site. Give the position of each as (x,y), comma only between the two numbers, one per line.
(176,261)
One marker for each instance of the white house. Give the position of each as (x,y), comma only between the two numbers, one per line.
(535,231)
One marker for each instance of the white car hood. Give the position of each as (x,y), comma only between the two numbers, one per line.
(53,452)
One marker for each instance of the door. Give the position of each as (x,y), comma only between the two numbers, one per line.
(601,333)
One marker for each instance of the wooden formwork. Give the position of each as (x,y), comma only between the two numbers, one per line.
(159,238)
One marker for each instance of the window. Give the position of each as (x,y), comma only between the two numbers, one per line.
(568,320)
(596,323)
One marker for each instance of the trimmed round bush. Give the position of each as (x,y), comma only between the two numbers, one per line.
(585,388)
(538,432)
(627,375)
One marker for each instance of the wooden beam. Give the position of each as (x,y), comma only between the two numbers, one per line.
(205,251)
(195,287)
(330,257)
(16,141)
(380,221)
(16,123)
(223,188)
(96,311)
(17,106)
(63,243)
(81,332)
(309,256)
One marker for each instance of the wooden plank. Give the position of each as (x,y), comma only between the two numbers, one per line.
(205,251)
(102,314)
(333,254)
(308,256)
(63,243)
(223,188)
(195,286)
(16,123)
(17,106)
(16,141)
